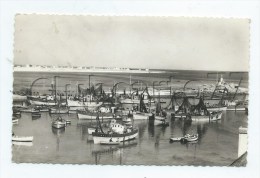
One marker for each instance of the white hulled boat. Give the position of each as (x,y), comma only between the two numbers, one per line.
(22,139)
(141,115)
(160,120)
(87,115)
(79,105)
(213,116)
(99,137)
(118,133)
(217,108)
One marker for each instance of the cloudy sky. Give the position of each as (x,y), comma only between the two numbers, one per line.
(142,42)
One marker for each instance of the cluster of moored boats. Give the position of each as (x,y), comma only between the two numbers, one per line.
(119,109)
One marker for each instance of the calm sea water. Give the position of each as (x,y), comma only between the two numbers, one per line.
(217,145)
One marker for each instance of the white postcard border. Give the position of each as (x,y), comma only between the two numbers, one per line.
(227,9)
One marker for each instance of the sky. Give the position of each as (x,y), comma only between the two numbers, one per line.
(175,43)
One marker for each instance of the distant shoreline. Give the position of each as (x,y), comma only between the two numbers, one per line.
(18,68)
(59,70)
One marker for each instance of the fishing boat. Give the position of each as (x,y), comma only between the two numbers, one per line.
(21,139)
(236,108)
(160,117)
(201,113)
(134,101)
(59,123)
(236,105)
(87,115)
(99,137)
(183,110)
(213,116)
(160,120)
(141,115)
(117,133)
(44,100)
(82,103)
(59,110)
(190,138)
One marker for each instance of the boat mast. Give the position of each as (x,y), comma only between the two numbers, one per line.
(55,89)
(98,123)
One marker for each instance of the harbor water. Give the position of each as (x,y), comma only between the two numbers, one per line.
(217,144)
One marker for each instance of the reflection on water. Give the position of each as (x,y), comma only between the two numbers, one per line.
(23,143)
(217,143)
(58,133)
(112,151)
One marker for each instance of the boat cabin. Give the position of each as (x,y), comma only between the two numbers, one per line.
(118,128)
(105,109)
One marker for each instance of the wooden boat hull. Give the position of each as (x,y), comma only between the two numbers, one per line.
(176,139)
(134,101)
(180,116)
(109,143)
(79,105)
(44,103)
(22,139)
(158,120)
(140,116)
(217,108)
(59,125)
(209,118)
(90,116)
(102,137)
(56,111)
(233,108)
(30,111)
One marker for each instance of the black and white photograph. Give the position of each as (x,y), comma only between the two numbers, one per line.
(130,90)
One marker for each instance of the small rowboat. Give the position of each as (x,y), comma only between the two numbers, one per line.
(22,139)
(60,123)
(15,121)
(176,139)
(23,143)
(190,138)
